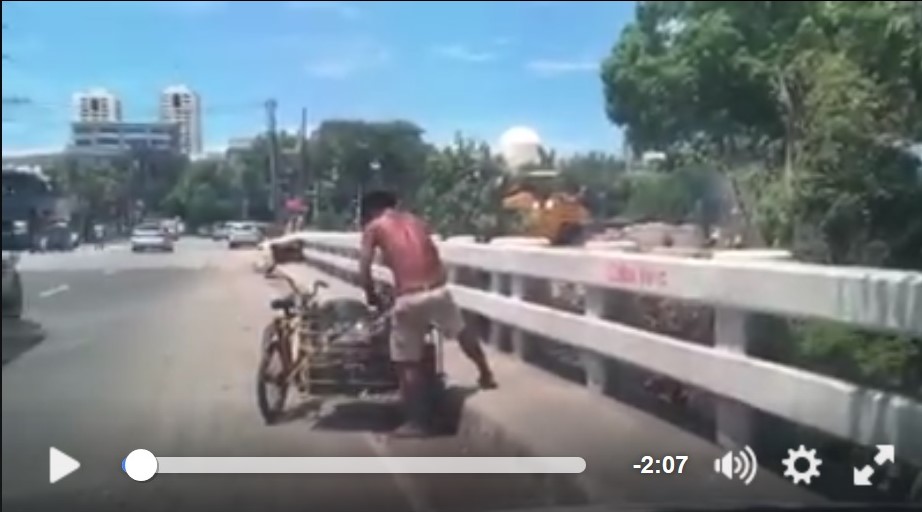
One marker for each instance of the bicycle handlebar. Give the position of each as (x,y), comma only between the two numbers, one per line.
(297,289)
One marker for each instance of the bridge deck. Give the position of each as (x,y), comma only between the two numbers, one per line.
(535,413)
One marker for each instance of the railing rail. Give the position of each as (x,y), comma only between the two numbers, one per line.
(869,298)
(736,284)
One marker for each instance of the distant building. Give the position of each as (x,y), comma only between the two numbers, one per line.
(97,105)
(119,137)
(182,106)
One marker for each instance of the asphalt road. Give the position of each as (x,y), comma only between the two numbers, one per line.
(158,351)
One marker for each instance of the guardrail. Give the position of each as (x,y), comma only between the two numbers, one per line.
(736,283)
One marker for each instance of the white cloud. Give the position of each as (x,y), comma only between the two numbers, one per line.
(344,9)
(18,152)
(551,67)
(464,53)
(347,59)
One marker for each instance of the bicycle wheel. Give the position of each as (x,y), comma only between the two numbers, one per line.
(271,380)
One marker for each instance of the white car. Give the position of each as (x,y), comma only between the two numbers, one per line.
(243,234)
(151,237)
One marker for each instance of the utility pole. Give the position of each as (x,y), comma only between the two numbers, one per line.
(271,107)
(303,173)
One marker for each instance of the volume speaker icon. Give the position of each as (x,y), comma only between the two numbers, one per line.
(742,465)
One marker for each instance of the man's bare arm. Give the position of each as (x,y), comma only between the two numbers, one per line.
(369,244)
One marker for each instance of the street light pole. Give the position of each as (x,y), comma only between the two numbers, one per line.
(271,106)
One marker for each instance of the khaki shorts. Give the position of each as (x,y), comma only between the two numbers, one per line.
(415,314)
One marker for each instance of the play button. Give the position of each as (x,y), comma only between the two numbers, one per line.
(60,465)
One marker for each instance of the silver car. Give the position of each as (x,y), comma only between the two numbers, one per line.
(243,234)
(151,237)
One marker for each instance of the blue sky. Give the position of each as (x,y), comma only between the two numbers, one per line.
(474,67)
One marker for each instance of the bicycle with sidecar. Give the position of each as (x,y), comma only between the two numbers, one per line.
(335,347)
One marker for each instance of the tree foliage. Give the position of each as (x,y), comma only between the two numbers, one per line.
(461,192)
(820,94)
(205,194)
(810,106)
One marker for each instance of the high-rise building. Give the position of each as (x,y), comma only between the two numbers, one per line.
(180,105)
(97,105)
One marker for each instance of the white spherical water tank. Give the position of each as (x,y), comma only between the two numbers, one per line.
(520,146)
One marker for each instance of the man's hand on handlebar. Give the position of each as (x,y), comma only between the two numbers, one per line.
(379,298)
(373,299)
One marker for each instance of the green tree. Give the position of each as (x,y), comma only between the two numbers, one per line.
(819,98)
(460,191)
(600,177)
(347,157)
(98,190)
(816,93)
(205,194)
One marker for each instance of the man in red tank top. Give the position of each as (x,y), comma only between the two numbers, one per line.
(422,298)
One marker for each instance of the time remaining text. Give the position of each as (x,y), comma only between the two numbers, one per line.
(669,464)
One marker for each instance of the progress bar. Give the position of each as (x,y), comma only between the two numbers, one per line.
(142,465)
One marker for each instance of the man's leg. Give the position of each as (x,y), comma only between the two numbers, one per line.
(413,395)
(449,319)
(470,345)
(407,341)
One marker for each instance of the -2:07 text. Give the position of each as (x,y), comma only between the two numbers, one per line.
(667,464)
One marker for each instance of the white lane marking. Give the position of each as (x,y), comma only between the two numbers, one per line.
(110,271)
(405,482)
(54,291)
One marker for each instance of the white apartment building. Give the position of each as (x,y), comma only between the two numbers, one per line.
(97,105)
(180,105)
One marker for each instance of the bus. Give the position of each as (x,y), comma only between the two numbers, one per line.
(29,208)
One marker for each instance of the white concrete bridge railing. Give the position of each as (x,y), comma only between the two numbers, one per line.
(736,284)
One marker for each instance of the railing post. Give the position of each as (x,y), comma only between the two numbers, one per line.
(496,328)
(594,364)
(735,421)
(521,345)
(602,374)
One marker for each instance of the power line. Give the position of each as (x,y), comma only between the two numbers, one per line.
(12,101)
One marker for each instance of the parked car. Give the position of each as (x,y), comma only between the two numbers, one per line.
(219,233)
(243,234)
(12,287)
(151,237)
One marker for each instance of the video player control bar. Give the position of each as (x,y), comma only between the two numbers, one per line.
(142,465)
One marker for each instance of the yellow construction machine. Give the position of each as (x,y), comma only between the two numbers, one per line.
(545,209)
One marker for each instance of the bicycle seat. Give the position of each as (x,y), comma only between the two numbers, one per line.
(282,304)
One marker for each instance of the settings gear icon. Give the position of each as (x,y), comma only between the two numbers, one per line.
(802,476)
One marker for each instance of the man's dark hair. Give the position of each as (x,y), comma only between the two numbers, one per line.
(375,202)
